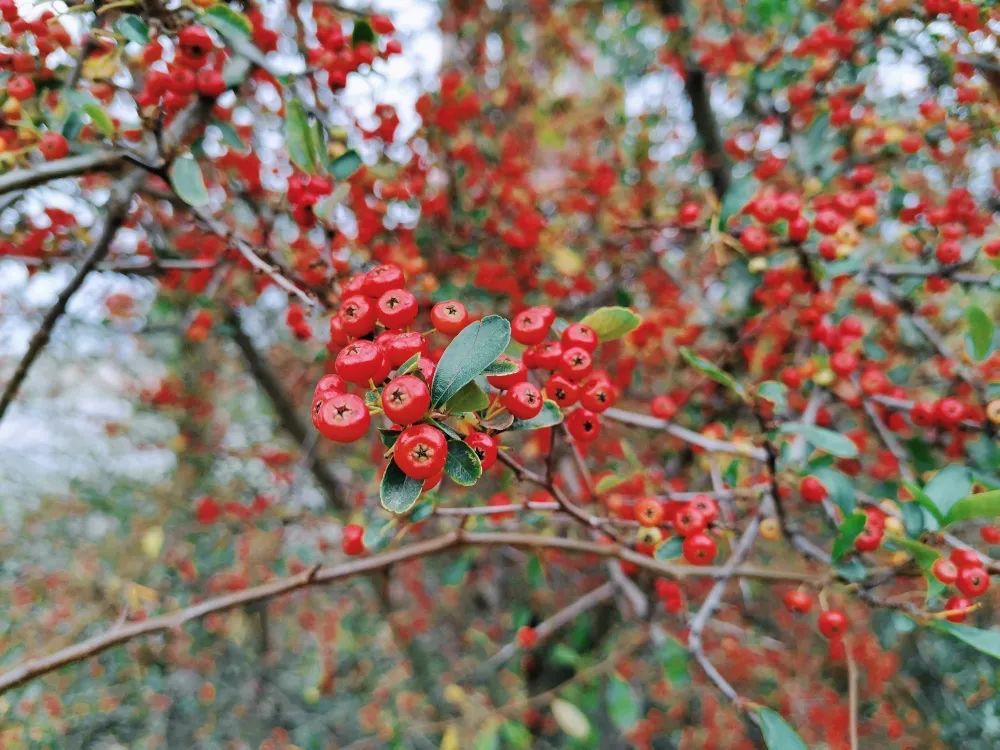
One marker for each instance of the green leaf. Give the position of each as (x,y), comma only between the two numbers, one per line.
(549,416)
(235,70)
(362,33)
(948,486)
(388,437)
(469,353)
(924,556)
(775,392)
(133,28)
(517,736)
(187,181)
(409,365)
(980,505)
(611,323)
(913,518)
(623,703)
(851,570)
(398,492)
(345,165)
(778,735)
(825,440)
(980,332)
(984,641)
(608,481)
(462,465)
(470,398)
(100,119)
(674,658)
(925,502)
(840,487)
(849,530)
(570,719)
(229,135)
(228,22)
(707,368)
(379,532)
(669,549)
(297,137)
(738,195)
(501,367)
(72,126)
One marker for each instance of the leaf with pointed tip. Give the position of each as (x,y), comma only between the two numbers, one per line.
(475,348)
(778,734)
(398,492)
(850,529)
(345,165)
(549,416)
(187,181)
(707,368)
(462,464)
(298,138)
(611,323)
(826,440)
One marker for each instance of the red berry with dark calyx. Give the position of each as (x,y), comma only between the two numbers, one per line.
(832,623)
(358,315)
(530,326)
(561,390)
(382,279)
(397,308)
(649,511)
(812,490)
(957,606)
(449,317)
(945,570)
(361,362)
(576,363)
(798,601)
(973,581)
(487,447)
(343,417)
(406,399)
(420,451)
(583,425)
(523,400)
(699,549)
(598,395)
(581,335)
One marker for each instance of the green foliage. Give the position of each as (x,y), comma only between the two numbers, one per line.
(468,355)
(611,323)
(188,181)
(778,734)
(398,492)
(462,465)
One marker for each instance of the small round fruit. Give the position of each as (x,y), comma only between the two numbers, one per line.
(689,521)
(486,447)
(957,603)
(406,399)
(530,326)
(397,308)
(699,549)
(649,511)
(344,418)
(945,570)
(798,601)
(973,581)
(576,363)
(420,451)
(527,637)
(523,400)
(964,557)
(581,335)
(599,395)
(832,623)
(583,425)
(399,347)
(329,385)
(53,146)
(381,279)
(357,315)
(360,362)
(449,317)
(812,490)
(352,539)
(562,391)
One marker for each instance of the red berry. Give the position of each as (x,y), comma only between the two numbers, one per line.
(945,570)
(754,239)
(543,356)
(399,347)
(53,146)
(949,412)
(328,385)
(420,451)
(798,601)
(689,521)
(990,534)
(649,511)
(531,326)
(343,417)
(361,362)
(523,400)
(397,308)
(965,557)
(578,334)
(699,549)
(449,317)
(576,363)
(957,602)
(599,395)
(210,82)
(486,447)
(561,390)
(357,315)
(706,506)
(832,623)
(663,407)
(527,637)
(352,539)
(583,425)
(21,87)
(812,490)
(382,279)
(973,581)
(405,399)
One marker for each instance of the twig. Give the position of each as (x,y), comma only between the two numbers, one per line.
(682,433)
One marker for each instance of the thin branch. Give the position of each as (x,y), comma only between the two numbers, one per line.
(682,433)
(71,166)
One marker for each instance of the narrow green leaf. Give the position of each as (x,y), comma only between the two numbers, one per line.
(948,486)
(501,367)
(707,368)
(840,487)
(362,34)
(778,734)
(72,126)
(981,330)
(470,352)
(825,440)
(925,502)
(100,119)
(469,398)
(980,505)
(849,530)
(984,641)
(462,464)
(297,137)
(229,135)
(570,719)
(611,323)
(669,549)
(398,492)
(738,195)
(227,21)
(549,416)
(379,532)
(345,165)
(187,181)
(775,392)
(623,703)
(133,28)
(608,481)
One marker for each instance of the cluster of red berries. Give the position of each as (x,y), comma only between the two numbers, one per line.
(832,623)
(208,510)
(690,520)
(191,71)
(304,192)
(965,570)
(339,54)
